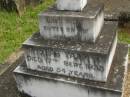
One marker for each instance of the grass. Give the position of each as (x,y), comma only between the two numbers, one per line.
(124,35)
(14,29)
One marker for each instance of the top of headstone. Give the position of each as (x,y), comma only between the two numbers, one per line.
(90,11)
(73,5)
(76,26)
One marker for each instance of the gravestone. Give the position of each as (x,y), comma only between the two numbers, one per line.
(81,26)
(75,59)
(75,54)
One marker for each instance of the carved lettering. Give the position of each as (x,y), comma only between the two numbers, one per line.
(34,59)
(83,75)
(70,25)
(65,63)
(95,67)
(59,70)
(51,20)
(45,68)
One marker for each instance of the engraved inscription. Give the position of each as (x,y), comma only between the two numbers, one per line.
(65,63)
(63,26)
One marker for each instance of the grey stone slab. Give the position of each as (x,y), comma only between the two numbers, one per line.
(41,84)
(75,5)
(73,59)
(76,26)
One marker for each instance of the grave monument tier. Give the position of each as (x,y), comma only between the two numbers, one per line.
(71,5)
(69,25)
(74,59)
(40,84)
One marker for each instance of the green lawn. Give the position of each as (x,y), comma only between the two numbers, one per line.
(124,36)
(14,29)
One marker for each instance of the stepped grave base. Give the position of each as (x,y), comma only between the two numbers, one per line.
(77,59)
(40,84)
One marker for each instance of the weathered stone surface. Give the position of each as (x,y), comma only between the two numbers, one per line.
(76,26)
(75,5)
(34,83)
(76,59)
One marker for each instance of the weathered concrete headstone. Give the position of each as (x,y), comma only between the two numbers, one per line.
(76,26)
(76,52)
(75,5)
(80,60)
